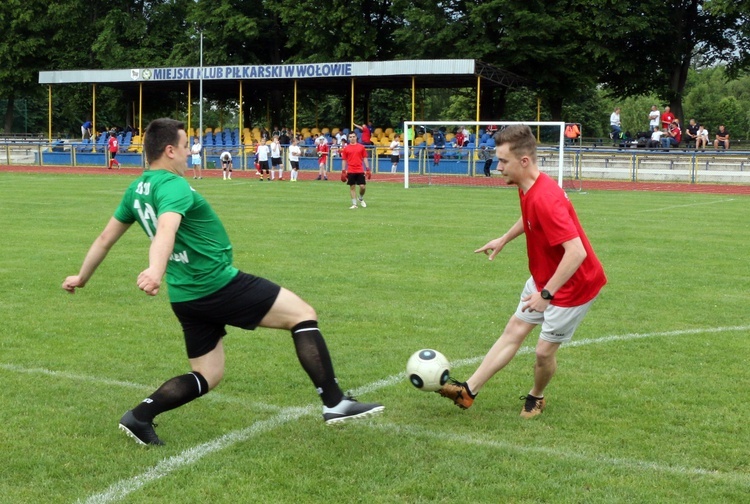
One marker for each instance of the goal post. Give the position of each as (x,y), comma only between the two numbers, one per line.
(432,156)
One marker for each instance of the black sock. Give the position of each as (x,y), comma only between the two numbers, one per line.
(312,353)
(172,394)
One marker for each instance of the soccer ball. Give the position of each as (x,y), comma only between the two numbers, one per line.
(428,370)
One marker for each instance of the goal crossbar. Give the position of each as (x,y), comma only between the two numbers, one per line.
(410,124)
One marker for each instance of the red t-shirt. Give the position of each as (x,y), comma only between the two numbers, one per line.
(354,154)
(666,119)
(549,220)
(322,149)
(113,144)
(365,134)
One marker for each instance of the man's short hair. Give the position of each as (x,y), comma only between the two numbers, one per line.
(520,140)
(160,133)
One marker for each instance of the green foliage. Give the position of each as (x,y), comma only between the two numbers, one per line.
(630,49)
(650,417)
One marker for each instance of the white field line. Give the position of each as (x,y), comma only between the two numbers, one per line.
(397,378)
(213,396)
(684,206)
(578,453)
(123,488)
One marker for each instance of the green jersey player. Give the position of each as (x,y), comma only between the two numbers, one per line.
(191,247)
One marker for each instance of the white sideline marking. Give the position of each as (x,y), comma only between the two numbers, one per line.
(576,454)
(123,488)
(393,379)
(683,206)
(213,396)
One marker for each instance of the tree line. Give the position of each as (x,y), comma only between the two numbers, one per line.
(584,56)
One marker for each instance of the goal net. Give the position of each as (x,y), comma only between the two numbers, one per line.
(463,153)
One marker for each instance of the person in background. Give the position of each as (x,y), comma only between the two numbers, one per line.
(487,155)
(276,162)
(114,146)
(722,138)
(86,130)
(666,118)
(701,141)
(294,153)
(395,153)
(654,118)
(615,126)
(691,133)
(354,165)
(321,146)
(226,165)
(195,150)
(263,152)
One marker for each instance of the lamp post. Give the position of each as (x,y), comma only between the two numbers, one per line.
(200,104)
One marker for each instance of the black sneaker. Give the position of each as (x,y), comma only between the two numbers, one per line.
(349,409)
(142,432)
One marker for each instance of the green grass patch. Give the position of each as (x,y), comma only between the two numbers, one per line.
(659,418)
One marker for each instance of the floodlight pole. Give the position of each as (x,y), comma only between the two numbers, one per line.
(200,104)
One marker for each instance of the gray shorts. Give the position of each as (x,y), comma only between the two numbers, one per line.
(558,323)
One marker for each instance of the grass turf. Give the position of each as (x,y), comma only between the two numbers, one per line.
(655,415)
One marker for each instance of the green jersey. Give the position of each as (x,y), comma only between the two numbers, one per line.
(201,262)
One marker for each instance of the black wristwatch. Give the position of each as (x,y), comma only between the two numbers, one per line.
(547,295)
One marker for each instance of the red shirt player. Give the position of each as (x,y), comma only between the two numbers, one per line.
(114,145)
(566,275)
(321,146)
(353,165)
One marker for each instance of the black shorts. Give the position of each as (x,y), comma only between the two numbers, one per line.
(276,161)
(355,179)
(295,165)
(242,303)
(395,159)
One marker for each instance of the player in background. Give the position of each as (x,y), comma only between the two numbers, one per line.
(395,154)
(262,151)
(114,146)
(276,162)
(294,153)
(566,275)
(226,165)
(207,292)
(321,146)
(195,150)
(353,165)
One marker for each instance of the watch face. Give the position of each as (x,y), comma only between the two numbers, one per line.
(546,294)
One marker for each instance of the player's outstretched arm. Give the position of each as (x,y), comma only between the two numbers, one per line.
(493,247)
(162,246)
(96,254)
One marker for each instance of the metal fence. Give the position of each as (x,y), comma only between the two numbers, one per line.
(633,164)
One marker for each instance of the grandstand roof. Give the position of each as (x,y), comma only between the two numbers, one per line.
(334,77)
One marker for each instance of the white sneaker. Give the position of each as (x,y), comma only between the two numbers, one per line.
(362,202)
(350,409)
(353,207)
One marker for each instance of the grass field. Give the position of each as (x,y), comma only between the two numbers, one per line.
(648,404)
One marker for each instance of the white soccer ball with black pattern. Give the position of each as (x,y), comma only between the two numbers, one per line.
(428,370)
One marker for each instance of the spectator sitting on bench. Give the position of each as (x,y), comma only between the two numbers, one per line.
(615,125)
(722,138)
(691,133)
(655,138)
(701,141)
(673,135)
